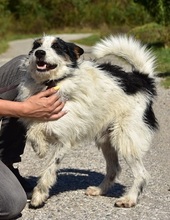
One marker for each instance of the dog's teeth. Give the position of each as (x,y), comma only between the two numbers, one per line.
(42,67)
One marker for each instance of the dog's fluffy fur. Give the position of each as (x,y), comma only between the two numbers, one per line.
(105,104)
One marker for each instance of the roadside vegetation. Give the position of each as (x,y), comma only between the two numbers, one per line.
(147,20)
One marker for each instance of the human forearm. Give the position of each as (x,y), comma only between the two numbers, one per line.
(44,106)
(10,108)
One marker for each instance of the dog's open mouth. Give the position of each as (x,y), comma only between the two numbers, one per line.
(43,66)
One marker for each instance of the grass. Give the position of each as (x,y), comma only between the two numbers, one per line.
(3,46)
(89,41)
(163,60)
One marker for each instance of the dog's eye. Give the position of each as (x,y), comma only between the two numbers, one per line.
(36,45)
(55,46)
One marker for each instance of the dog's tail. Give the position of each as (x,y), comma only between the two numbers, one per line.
(129,49)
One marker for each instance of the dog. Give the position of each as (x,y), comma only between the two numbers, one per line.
(105,104)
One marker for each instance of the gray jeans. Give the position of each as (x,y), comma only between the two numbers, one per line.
(12,196)
(12,142)
(12,132)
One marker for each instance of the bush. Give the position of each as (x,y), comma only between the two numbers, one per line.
(5,18)
(153,34)
(158,9)
(43,15)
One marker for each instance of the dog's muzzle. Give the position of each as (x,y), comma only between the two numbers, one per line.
(43,66)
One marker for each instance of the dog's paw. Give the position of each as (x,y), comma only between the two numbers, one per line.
(125,202)
(93,191)
(32,206)
(38,199)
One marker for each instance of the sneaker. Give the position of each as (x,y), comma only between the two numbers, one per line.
(25,183)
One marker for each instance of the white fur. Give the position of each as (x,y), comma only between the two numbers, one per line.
(137,54)
(97,109)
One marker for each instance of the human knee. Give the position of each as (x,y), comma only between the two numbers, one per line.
(13,204)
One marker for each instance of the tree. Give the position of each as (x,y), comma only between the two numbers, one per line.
(158,9)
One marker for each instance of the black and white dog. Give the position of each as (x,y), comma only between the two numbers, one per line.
(106,104)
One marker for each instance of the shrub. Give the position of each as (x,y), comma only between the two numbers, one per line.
(152,34)
(42,15)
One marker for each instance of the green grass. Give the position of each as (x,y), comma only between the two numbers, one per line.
(3,46)
(163,60)
(89,41)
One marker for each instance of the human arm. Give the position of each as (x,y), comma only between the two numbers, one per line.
(44,106)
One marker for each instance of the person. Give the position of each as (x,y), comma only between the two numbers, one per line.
(44,106)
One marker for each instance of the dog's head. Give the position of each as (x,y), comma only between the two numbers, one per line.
(52,58)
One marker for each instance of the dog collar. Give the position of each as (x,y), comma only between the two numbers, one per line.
(54,82)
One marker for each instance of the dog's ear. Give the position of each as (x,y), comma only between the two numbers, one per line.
(71,49)
(78,51)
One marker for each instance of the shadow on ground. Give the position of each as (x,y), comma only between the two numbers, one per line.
(77,179)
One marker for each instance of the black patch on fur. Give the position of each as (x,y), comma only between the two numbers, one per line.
(130,82)
(57,161)
(63,48)
(141,186)
(149,117)
(37,43)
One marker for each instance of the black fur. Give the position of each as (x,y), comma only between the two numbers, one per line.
(149,117)
(130,82)
(68,49)
(37,43)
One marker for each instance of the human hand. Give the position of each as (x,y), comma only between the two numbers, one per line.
(45,106)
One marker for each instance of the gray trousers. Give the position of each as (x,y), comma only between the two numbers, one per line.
(12,196)
(12,143)
(12,132)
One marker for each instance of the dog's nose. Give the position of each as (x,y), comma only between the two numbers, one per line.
(40,54)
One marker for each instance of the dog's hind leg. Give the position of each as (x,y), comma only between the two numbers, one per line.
(112,167)
(48,178)
(133,144)
(141,177)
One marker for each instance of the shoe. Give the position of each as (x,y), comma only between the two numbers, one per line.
(25,183)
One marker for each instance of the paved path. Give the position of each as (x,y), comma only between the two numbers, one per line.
(85,166)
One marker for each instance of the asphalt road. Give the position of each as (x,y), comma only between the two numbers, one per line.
(85,166)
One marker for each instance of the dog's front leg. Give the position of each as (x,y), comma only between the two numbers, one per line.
(46,181)
(48,177)
(38,140)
